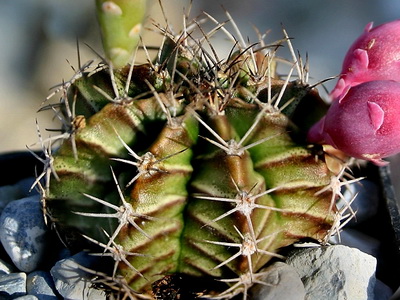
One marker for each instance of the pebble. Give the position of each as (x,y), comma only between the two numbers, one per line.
(12,285)
(335,272)
(28,297)
(282,282)
(41,285)
(5,268)
(72,282)
(24,233)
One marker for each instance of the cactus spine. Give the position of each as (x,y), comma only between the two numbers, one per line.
(190,164)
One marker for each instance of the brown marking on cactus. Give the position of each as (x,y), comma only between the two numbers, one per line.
(204,270)
(150,269)
(79,122)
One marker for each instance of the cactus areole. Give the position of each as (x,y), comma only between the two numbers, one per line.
(189,166)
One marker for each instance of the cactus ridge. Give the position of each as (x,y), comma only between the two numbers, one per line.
(190,164)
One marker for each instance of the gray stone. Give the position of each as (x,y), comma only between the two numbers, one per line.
(41,285)
(27,297)
(335,272)
(12,285)
(72,282)
(282,282)
(6,268)
(24,234)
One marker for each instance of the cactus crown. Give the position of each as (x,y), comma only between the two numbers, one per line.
(190,165)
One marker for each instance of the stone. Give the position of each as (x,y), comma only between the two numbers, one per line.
(382,291)
(12,285)
(28,297)
(335,272)
(41,285)
(72,282)
(6,268)
(24,234)
(282,282)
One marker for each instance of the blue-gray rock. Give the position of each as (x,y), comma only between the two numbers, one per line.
(282,282)
(74,283)
(335,272)
(24,234)
(27,297)
(41,285)
(12,285)
(382,291)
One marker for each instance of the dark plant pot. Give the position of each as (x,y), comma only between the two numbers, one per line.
(18,165)
(388,225)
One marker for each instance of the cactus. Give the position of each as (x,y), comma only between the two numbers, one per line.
(190,165)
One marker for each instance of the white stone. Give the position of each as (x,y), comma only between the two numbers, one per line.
(28,297)
(6,268)
(40,284)
(23,233)
(72,282)
(335,272)
(12,285)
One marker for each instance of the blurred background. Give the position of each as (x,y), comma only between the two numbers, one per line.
(38,43)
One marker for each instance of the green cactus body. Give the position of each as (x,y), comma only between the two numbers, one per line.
(121,25)
(208,177)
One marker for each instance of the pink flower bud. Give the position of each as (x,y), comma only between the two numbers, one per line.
(375,55)
(364,123)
